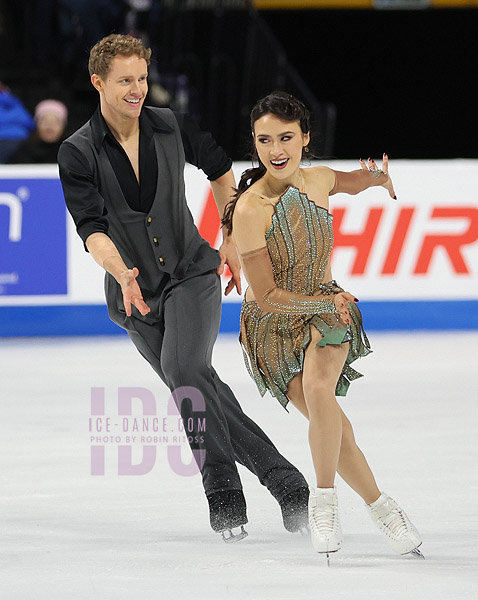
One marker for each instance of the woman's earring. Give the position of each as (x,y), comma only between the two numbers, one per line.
(306,149)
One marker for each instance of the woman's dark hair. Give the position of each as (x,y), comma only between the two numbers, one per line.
(282,105)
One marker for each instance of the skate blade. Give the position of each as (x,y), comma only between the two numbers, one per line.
(230,537)
(327,555)
(417,553)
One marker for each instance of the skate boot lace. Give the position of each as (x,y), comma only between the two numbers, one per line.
(324,522)
(395,524)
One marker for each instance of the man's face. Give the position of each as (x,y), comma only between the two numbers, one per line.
(124,88)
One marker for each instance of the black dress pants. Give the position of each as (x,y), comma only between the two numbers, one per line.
(179,348)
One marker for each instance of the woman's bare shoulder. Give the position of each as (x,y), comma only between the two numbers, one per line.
(320,178)
(320,173)
(249,222)
(250,203)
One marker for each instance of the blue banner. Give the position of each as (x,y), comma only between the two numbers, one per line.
(32,237)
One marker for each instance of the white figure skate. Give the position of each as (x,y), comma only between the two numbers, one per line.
(325,530)
(393,522)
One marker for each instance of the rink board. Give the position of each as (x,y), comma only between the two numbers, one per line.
(411,262)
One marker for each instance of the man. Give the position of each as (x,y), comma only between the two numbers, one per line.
(122,176)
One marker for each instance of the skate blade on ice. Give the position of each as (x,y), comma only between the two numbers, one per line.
(327,555)
(417,553)
(230,537)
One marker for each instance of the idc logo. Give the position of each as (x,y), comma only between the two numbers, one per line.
(133,443)
(32,237)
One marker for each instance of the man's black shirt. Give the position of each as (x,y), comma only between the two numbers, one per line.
(200,149)
(139,195)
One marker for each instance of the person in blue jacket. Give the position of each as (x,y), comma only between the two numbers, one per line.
(16,123)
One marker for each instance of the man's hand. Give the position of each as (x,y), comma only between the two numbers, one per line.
(228,254)
(131,292)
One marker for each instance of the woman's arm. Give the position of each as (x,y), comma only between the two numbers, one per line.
(357,181)
(248,232)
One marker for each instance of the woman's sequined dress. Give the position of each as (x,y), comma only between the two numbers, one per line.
(299,241)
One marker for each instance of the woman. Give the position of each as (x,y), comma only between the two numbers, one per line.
(300,331)
(43,144)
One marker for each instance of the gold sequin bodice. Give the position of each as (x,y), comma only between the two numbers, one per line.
(300,240)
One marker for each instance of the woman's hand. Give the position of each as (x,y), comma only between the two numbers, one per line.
(373,168)
(340,302)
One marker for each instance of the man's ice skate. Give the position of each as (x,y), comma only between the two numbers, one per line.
(294,507)
(325,530)
(227,511)
(230,536)
(393,522)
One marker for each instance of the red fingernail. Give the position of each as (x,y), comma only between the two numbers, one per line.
(394,197)
(356,299)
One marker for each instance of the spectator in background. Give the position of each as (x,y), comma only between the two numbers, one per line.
(43,144)
(16,123)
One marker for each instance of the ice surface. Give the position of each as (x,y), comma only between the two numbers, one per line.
(71,535)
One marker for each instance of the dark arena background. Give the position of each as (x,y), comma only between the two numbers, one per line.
(395,75)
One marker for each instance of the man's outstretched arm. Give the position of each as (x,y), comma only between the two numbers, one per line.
(223,190)
(105,253)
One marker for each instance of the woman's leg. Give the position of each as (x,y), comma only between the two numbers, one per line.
(352,465)
(322,368)
(400,533)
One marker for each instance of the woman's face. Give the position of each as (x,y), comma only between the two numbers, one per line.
(50,128)
(279,145)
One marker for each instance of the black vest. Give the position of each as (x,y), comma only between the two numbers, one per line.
(165,240)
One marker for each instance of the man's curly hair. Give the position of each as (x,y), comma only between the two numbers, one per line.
(102,53)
